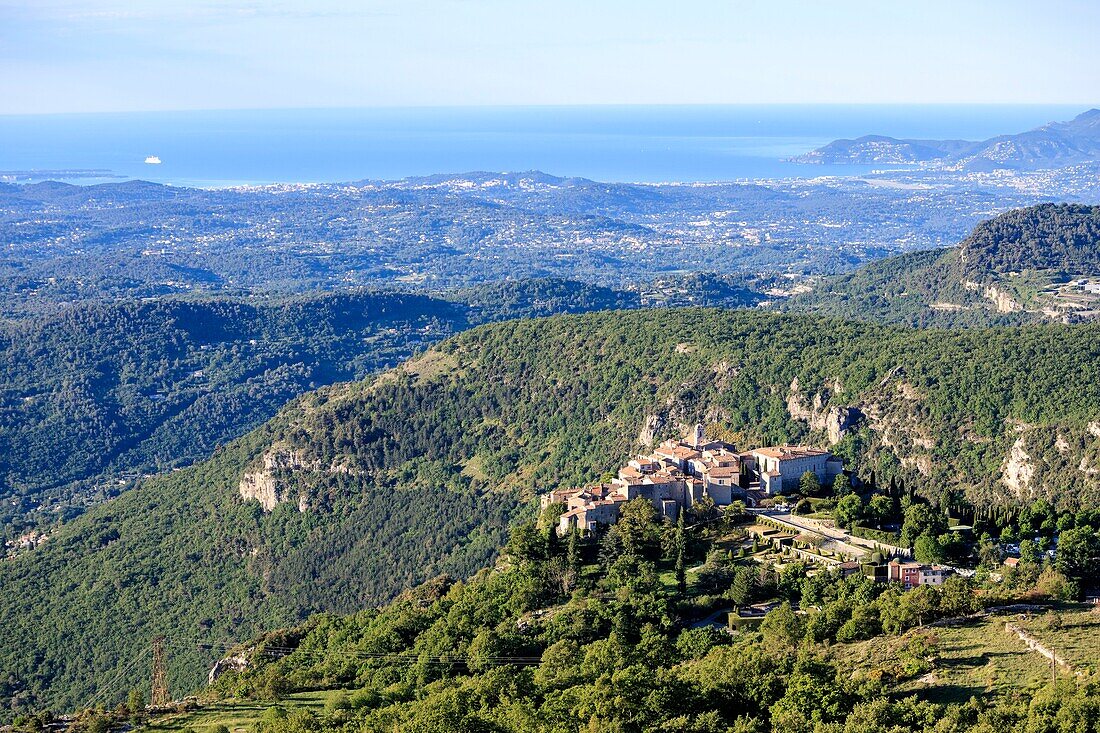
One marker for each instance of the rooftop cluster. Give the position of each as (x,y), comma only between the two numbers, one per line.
(678,474)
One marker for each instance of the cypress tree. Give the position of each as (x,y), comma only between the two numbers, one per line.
(553,542)
(681,550)
(573,551)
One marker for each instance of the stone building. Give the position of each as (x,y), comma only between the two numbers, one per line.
(780,468)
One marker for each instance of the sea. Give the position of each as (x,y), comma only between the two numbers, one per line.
(650,144)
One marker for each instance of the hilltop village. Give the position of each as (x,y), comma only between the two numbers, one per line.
(680,473)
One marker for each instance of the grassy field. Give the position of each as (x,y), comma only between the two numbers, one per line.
(973,659)
(238,716)
(1074,634)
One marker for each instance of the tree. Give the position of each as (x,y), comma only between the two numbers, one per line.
(989,553)
(863,624)
(781,627)
(734,511)
(842,485)
(809,702)
(880,509)
(611,546)
(919,603)
(101,724)
(1078,555)
(743,590)
(527,543)
(273,715)
(560,578)
(704,509)
(695,643)
(1053,584)
(894,621)
(679,552)
(809,484)
(559,663)
(848,510)
(921,519)
(135,703)
(1029,552)
(714,573)
(573,550)
(927,549)
(637,525)
(485,650)
(957,597)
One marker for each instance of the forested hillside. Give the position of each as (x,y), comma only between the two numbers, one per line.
(385,483)
(99,393)
(1063,237)
(135,387)
(1028,265)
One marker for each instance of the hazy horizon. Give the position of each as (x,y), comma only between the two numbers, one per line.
(1080,106)
(635,143)
(72,56)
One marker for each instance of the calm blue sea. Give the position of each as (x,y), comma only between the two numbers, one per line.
(635,143)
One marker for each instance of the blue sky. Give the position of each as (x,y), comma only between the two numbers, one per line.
(118,55)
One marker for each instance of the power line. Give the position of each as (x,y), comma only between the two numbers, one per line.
(105,689)
(279,652)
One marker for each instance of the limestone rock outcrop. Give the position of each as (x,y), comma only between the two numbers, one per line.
(262,485)
(833,420)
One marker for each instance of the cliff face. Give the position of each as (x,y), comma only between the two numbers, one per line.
(833,420)
(1018,470)
(895,425)
(1002,301)
(264,484)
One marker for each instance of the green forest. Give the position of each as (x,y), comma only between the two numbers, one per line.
(421,470)
(1045,237)
(624,630)
(100,393)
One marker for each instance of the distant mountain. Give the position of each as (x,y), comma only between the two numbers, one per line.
(1053,145)
(871,149)
(1032,264)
